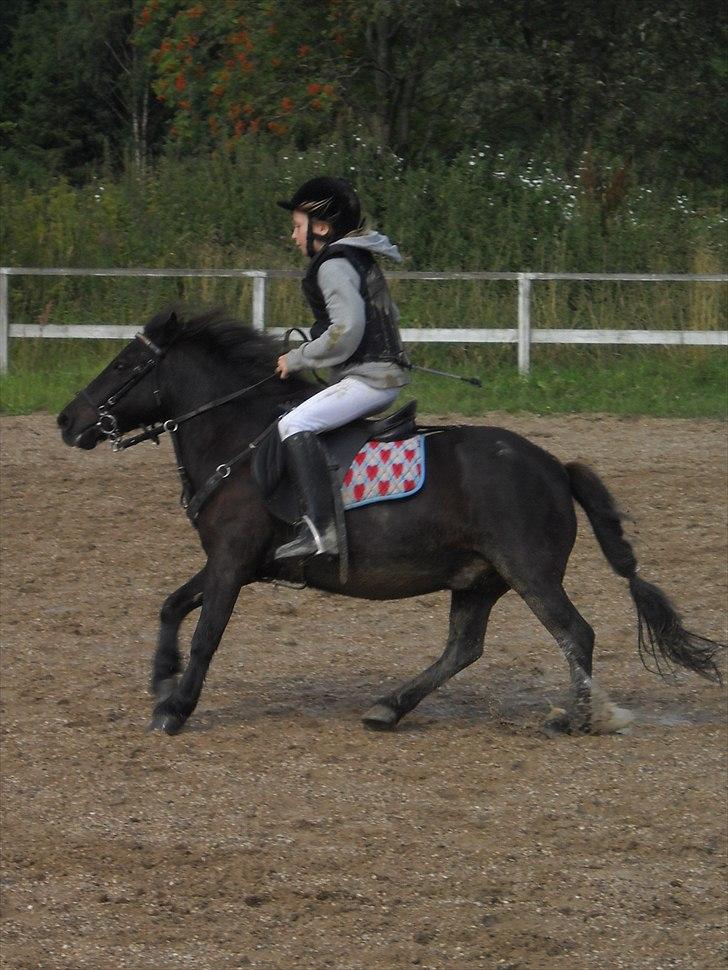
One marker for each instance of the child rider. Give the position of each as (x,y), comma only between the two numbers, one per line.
(355,334)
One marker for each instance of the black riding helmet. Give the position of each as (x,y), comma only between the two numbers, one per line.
(331,200)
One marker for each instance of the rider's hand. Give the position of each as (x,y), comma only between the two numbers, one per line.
(282,367)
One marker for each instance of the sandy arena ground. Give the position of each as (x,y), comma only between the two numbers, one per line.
(276,832)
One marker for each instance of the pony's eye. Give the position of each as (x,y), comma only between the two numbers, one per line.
(120,365)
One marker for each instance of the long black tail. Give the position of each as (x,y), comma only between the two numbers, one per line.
(660,633)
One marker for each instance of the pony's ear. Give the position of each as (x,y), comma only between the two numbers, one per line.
(163,328)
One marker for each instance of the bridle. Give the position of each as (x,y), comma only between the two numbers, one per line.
(107,422)
(108,425)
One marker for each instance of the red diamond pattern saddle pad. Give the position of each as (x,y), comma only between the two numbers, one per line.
(384,470)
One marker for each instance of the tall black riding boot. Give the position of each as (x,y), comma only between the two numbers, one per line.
(306,463)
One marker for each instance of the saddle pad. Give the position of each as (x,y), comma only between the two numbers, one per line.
(384,470)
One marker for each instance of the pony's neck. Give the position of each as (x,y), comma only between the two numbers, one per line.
(195,376)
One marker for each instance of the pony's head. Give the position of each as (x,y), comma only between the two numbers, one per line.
(132,391)
(125,394)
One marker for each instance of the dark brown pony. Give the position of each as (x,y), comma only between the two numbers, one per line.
(496,513)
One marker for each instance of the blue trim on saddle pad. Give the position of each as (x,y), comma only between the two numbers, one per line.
(361,477)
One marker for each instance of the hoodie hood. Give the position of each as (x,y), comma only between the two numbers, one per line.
(374,241)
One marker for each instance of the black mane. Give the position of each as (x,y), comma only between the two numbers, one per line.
(252,353)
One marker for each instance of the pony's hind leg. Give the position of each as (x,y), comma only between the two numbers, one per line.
(167,663)
(592,709)
(469,612)
(576,638)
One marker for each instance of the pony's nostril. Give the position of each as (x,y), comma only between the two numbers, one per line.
(62,420)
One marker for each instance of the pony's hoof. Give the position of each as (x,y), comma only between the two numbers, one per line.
(558,723)
(167,723)
(380,718)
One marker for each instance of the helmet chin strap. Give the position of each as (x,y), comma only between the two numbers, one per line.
(312,237)
(310,251)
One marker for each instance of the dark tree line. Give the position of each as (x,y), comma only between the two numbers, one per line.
(93,82)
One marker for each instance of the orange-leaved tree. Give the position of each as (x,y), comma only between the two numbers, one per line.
(224,68)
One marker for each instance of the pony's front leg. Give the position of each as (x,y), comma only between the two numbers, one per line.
(221,587)
(167,662)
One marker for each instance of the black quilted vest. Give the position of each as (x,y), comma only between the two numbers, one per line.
(381,340)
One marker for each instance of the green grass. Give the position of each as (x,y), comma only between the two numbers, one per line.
(45,374)
(655,383)
(689,383)
(491,214)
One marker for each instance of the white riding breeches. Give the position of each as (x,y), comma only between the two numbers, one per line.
(335,406)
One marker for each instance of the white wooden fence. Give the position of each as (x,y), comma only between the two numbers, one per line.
(522,334)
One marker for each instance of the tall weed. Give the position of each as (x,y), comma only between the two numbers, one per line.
(481,211)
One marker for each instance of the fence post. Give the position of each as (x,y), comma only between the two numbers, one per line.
(259,282)
(524,324)
(4,320)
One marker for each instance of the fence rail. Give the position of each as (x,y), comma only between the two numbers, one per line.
(523,335)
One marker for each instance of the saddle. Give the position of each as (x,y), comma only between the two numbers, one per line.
(340,445)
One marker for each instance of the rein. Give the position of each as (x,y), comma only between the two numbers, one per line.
(192,502)
(171,425)
(108,425)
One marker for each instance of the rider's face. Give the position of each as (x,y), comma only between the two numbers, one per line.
(300,231)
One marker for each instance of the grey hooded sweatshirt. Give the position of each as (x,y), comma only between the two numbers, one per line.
(339,283)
